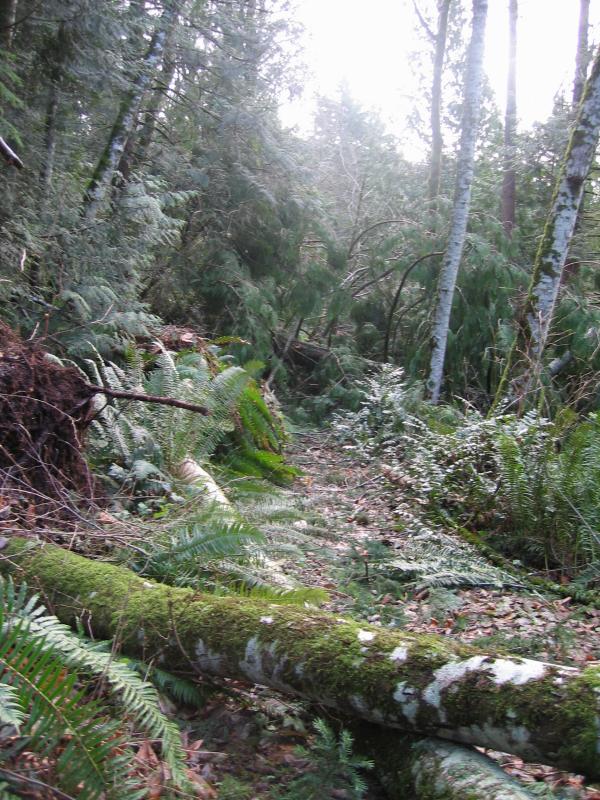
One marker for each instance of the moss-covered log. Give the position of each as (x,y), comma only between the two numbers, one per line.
(418,683)
(430,769)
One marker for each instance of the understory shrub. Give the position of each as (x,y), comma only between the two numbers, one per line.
(532,485)
(332,766)
(50,684)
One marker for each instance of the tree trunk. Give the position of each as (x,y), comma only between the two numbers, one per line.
(418,683)
(435,166)
(138,142)
(153,110)
(525,357)
(430,769)
(462,199)
(47,170)
(8,18)
(582,59)
(9,155)
(125,122)
(509,180)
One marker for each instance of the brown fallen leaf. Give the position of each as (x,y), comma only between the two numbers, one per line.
(146,755)
(204,790)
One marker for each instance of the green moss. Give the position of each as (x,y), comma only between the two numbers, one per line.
(581,741)
(340,663)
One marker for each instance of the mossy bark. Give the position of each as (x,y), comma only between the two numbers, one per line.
(418,683)
(430,769)
(523,367)
(126,119)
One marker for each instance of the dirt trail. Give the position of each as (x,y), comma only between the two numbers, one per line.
(362,510)
(370,528)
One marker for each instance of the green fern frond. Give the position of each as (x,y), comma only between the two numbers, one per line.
(12,711)
(178,689)
(61,722)
(222,537)
(37,647)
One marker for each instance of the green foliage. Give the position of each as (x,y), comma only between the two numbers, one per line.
(531,484)
(203,545)
(142,444)
(387,403)
(215,549)
(45,673)
(231,788)
(255,445)
(9,80)
(206,544)
(331,765)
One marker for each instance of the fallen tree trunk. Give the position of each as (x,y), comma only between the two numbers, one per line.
(418,683)
(430,769)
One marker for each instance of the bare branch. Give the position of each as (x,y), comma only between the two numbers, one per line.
(148,398)
(424,24)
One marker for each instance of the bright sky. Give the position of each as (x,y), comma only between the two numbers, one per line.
(368,46)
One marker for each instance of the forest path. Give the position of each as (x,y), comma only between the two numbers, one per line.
(373,556)
(380,561)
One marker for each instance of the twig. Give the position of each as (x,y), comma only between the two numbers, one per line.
(22,779)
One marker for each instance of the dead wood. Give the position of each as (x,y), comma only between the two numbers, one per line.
(147,398)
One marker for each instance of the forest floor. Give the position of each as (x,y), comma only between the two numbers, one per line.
(358,537)
(361,542)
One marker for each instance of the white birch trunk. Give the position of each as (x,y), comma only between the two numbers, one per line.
(582,59)
(125,122)
(509,177)
(191,473)
(435,166)
(462,200)
(561,221)
(431,769)
(524,361)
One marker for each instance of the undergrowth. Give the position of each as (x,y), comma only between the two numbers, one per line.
(331,765)
(48,708)
(530,485)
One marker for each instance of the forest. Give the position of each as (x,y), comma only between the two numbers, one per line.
(299,432)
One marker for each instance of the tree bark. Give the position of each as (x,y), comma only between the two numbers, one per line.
(421,684)
(462,200)
(509,179)
(430,769)
(582,58)
(126,120)
(435,166)
(8,18)
(524,360)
